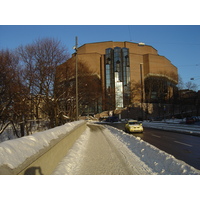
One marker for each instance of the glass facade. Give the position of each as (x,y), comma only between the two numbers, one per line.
(117,78)
(126,76)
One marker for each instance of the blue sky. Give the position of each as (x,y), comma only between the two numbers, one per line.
(179,44)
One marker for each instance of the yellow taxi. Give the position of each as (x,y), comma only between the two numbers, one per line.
(133,126)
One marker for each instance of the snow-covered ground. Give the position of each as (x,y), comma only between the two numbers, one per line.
(99,150)
(112,151)
(14,152)
(36,126)
(174,125)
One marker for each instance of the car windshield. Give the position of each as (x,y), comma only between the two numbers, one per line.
(133,123)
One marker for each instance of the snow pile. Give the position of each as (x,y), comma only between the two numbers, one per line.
(136,156)
(16,151)
(176,127)
(70,165)
(100,153)
(159,161)
(98,146)
(8,134)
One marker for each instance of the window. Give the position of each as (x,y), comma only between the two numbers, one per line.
(117,76)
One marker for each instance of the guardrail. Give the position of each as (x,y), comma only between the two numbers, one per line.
(40,153)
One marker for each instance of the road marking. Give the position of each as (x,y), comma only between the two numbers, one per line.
(183,143)
(156,136)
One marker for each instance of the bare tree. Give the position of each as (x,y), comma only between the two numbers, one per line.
(191,86)
(89,87)
(180,83)
(40,60)
(11,90)
(136,89)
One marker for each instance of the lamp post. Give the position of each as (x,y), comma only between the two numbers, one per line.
(142,88)
(194,79)
(197,100)
(76,49)
(141,79)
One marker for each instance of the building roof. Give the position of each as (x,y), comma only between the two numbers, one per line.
(99,47)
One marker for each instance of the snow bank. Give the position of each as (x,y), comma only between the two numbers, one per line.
(15,152)
(139,156)
(70,165)
(175,127)
(159,161)
(98,152)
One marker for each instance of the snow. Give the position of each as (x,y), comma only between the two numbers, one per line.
(36,126)
(71,163)
(100,149)
(174,125)
(95,153)
(15,152)
(159,161)
(138,156)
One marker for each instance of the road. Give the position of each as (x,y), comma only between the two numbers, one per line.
(181,146)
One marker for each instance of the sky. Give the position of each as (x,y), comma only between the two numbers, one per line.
(178,43)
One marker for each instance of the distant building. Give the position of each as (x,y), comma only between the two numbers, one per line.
(129,72)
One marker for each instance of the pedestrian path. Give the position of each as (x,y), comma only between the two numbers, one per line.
(100,153)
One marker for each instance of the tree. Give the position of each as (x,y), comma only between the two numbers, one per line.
(40,60)
(136,91)
(180,83)
(11,90)
(191,86)
(89,88)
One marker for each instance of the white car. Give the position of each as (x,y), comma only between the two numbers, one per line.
(134,126)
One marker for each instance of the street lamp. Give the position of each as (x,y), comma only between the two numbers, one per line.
(193,78)
(142,88)
(76,49)
(197,101)
(141,79)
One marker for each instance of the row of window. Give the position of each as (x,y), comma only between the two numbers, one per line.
(117,72)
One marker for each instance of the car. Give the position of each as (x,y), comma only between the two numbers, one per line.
(190,120)
(195,118)
(112,119)
(134,126)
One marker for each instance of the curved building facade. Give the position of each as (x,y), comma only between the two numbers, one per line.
(126,69)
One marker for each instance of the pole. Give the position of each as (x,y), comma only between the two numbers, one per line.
(141,82)
(142,97)
(76,48)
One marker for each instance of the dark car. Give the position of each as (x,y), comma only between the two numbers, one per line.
(196,118)
(190,120)
(112,119)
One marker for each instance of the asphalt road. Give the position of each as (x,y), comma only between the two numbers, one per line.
(181,146)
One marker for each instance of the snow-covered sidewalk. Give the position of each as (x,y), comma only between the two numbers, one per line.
(100,149)
(108,151)
(98,152)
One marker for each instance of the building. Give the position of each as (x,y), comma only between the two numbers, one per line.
(127,70)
